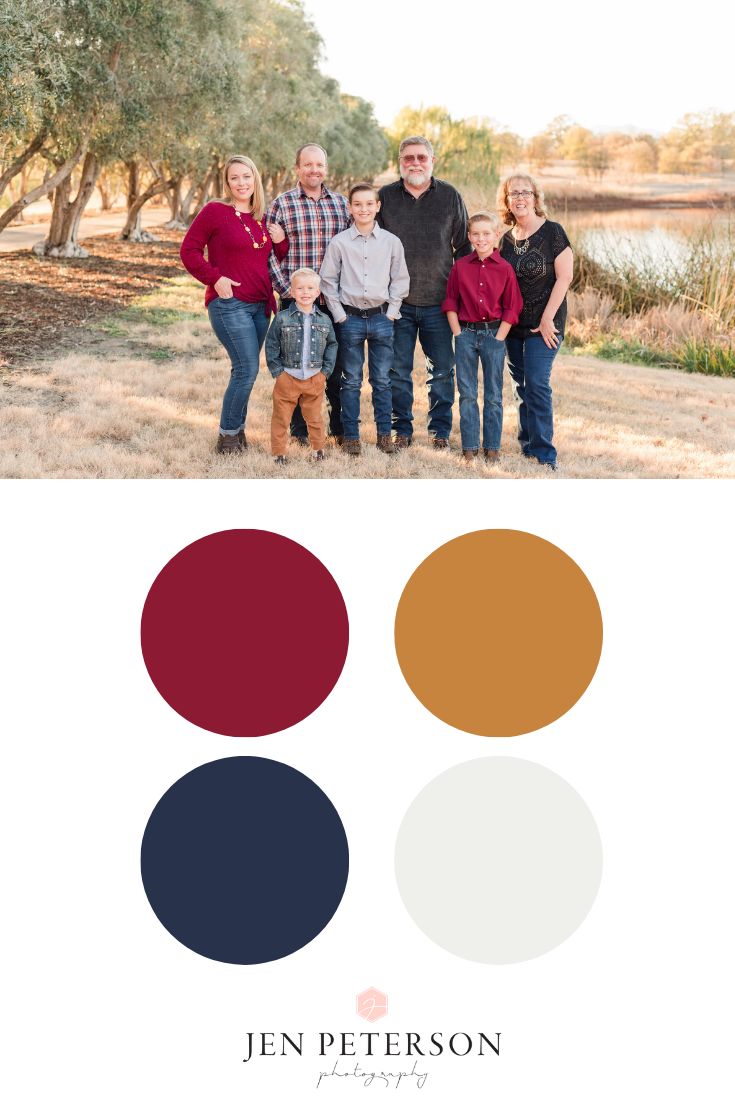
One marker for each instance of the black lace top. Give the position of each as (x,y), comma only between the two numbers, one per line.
(536,276)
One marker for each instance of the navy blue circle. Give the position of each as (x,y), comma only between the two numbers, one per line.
(244,860)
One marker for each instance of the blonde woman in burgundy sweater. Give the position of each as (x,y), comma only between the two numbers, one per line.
(239,296)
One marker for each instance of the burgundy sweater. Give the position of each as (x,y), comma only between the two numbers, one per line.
(230,253)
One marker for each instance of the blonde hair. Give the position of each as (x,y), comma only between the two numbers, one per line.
(257,200)
(309,273)
(538,198)
(486,216)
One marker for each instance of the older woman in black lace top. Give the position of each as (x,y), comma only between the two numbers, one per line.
(542,258)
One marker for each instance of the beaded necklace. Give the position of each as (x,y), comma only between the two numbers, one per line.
(263,241)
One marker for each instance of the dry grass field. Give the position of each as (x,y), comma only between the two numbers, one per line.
(137,395)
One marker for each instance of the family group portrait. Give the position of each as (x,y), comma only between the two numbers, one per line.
(238,240)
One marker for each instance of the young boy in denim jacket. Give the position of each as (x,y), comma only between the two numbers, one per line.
(300,350)
(483,301)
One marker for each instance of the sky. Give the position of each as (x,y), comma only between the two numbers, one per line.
(633,64)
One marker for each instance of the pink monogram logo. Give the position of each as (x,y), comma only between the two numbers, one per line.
(372,1004)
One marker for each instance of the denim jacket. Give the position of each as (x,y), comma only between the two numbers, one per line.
(285,339)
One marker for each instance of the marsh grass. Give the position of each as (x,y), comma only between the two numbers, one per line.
(670,310)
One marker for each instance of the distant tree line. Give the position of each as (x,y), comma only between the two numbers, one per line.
(699,144)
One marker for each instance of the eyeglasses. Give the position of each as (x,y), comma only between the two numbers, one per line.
(520,194)
(422,158)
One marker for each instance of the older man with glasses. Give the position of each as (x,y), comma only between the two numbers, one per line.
(430,218)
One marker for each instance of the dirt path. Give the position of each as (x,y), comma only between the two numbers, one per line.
(137,396)
(25,237)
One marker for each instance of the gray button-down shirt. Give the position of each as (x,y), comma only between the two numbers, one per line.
(364,272)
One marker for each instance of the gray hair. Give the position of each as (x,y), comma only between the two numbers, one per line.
(416,140)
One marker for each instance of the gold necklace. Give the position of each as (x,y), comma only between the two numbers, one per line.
(263,241)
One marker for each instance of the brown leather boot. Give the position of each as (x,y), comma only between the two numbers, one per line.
(490,455)
(385,444)
(469,454)
(229,445)
(351,447)
(402,441)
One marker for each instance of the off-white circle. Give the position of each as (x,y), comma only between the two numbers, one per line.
(498,860)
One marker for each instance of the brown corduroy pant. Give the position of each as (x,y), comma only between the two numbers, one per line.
(287,394)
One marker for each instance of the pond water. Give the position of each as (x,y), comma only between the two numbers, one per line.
(649,237)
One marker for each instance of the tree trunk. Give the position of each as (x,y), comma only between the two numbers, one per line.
(67,214)
(209,180)
(173,195)
(20,162)
(108,192)
(132,230)
(45,187)
(186,203)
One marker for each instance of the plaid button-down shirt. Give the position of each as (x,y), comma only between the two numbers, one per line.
(309,225)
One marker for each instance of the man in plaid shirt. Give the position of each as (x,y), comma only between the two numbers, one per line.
(310,216)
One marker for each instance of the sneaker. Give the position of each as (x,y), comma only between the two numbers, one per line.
(385,444)
(280,460)
(470,454)
(351,447)
(491,456)
(440,442)
(402,441)
(315,457)
(229,445)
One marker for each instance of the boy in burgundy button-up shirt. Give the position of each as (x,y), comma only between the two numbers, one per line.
(482,302)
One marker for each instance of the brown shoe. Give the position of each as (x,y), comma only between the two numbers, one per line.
(469,454)
(385,444)
(242,438)
(228,445)
(402,441)
(491,456)
(440,442)
(351,447)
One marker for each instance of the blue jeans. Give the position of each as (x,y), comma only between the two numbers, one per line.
(530,362)
(241,328)
(469,346)
(430,325)
(378,331)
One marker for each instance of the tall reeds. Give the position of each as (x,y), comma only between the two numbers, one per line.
(675,309)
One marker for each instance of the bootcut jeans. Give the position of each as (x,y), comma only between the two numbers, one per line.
(430,326)
(241,328)
(530,361)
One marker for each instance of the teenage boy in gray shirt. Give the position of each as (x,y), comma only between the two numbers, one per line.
(364,280)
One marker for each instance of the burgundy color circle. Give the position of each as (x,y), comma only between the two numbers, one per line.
(244,632)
